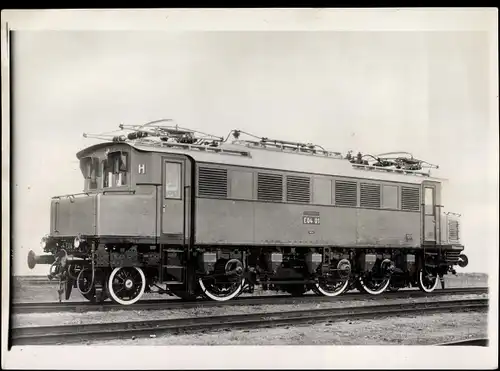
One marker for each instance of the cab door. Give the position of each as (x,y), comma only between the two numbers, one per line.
(174,210)
(430,211)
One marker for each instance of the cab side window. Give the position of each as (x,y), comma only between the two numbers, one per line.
(89,167)
(115,170)
(429,201)
(105,174)
(173,181)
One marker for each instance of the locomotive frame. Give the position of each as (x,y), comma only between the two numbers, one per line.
(219,219)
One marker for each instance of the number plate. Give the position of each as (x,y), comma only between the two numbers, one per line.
(310,219)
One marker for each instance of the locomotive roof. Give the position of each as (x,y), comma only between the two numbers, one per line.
(240,155)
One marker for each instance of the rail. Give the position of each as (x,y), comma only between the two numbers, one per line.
(44,335)
(482,342)
(155,304)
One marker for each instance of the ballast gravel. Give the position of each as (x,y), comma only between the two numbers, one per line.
(71,318)
(409,330)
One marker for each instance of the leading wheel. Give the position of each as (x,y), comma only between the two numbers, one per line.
(225,283)
(126,285)
(86,285)
(427,281)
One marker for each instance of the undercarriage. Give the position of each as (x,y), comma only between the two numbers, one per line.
(124,272)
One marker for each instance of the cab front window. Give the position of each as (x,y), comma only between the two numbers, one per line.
(89,167)
(115,170)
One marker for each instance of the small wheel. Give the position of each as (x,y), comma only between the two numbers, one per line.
(427,282)
(374,287)
(83,282)
(126,285)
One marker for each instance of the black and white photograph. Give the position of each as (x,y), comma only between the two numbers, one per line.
(250,188)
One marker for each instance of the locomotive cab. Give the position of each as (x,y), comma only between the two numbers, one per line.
(133,223)
(108,172)
(106,176)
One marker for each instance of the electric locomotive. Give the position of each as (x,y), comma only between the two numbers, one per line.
(171,210)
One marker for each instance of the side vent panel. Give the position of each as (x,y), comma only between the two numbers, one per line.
(410,199)
(346,193)
(453,230)
(298,189)
(212,182)
(370,195)
(270,187)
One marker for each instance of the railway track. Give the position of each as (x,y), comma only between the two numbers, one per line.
(481,342)
(45,335)
(20,308)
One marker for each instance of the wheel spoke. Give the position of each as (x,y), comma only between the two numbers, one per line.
(374,285)
(427,281)
(127,275)
(220,292)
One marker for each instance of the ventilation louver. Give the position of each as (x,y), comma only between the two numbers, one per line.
(212,182)
(346,193)
(298,189)
(410,199)
(270,187)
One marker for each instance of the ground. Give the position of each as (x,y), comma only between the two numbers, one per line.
(422,330)
(67,318)
(417,330)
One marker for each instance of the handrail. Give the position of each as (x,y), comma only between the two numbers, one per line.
(72,195)
(69,195)
(132,191)
(219,149)
(389,170)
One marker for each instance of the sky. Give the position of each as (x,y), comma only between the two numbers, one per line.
(421,92)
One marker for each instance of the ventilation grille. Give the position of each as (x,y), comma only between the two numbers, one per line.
(453,230)
(410,199)
(298,189)
(370,195)
(270,187)
(212,182)
(346,193)
(452,257)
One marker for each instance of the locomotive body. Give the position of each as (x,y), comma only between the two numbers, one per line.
(189,217)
